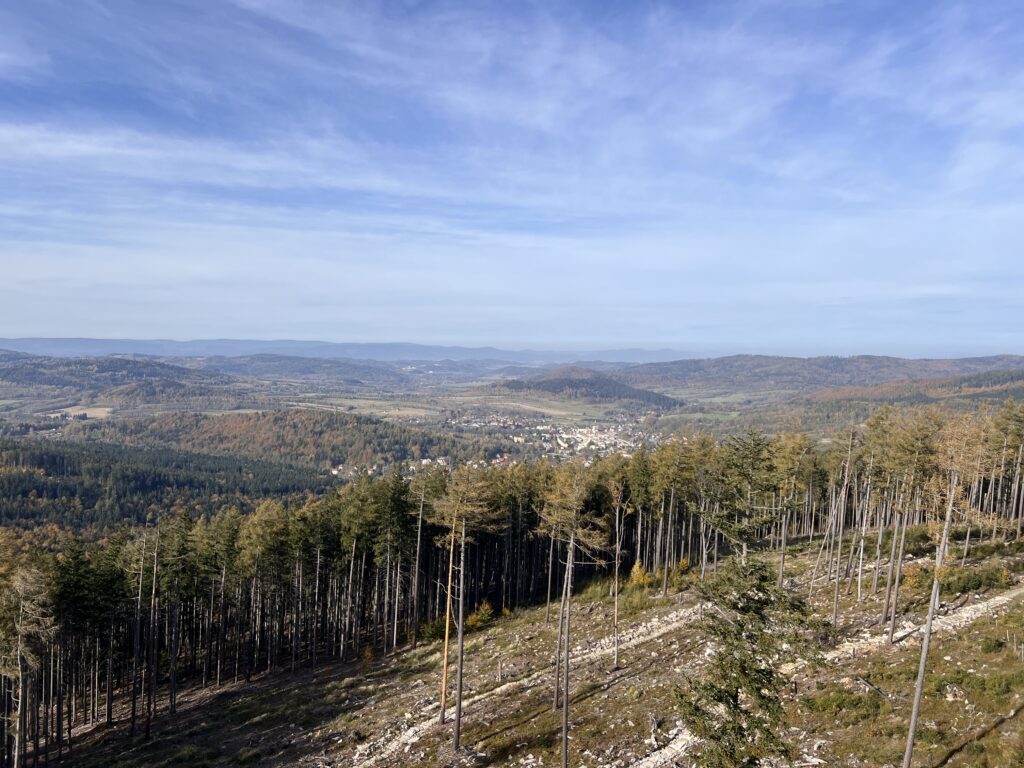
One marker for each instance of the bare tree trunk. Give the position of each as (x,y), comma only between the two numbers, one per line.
(221,622)
(110,675)
(568,646)
(915,711)
(348,599)
(896,578)
(296,597)
(173,655)
(19,732)
(151,664)
(821,550)
(900,517)
(447,627)
(551,571)
(462,608)
(668,538)
(841,515)
(316,607)
(615,583)
(967,545)
(138,639)
(785,531)
(398,586)
(878,543)
(558,644)
(416,572)
(1015,496)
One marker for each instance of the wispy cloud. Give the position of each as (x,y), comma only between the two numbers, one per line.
(517,165)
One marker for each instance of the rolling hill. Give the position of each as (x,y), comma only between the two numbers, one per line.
(992,386)
(95,373)
(787,376)
(35,384)
(270,367)
(583,383)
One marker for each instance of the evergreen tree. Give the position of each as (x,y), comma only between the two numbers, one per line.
(735,708)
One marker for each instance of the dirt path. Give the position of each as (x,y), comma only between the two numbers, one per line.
(854,647)
(389,746)
(958,619)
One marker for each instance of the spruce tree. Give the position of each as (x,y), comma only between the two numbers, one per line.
(735,708)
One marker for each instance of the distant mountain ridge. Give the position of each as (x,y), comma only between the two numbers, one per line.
(96,372)
(764,373)
(388,352)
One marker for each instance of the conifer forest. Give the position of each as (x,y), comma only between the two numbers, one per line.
(776,536)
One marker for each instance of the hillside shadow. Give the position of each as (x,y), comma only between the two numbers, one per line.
(276,719)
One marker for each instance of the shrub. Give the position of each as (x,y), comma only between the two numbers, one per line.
(917,578)
(432,631)
(957,581)
(937,685)
(481,617)
(680,577)
(992,644)
(367,657)
(638,577)
(959,533)
(849,708)
(919,540)
(1004,683)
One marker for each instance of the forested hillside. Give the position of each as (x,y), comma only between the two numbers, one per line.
(583,383)
(828,410)
(958,391)
(788,375)
(97,487)
(200,597)
(95,373)
(33,383)
(309,437)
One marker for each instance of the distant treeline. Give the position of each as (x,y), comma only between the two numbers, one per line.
(97,486)
(312,438)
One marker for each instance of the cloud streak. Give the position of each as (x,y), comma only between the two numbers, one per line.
(783,172)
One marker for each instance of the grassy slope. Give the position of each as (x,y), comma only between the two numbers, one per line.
(350,714)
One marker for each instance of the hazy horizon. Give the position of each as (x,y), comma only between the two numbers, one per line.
(647,352)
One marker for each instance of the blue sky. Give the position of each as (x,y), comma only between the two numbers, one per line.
(796,177)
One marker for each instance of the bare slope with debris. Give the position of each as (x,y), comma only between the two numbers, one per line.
(384,713)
